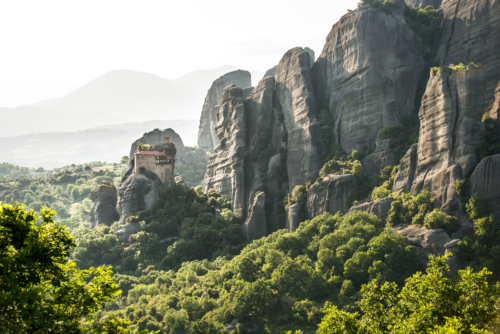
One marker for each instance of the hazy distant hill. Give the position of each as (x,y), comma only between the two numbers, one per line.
(31,119)
(105,143)
(123,93)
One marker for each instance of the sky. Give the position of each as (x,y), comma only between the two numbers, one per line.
(52,46)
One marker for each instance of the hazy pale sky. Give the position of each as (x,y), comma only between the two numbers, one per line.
(58,42)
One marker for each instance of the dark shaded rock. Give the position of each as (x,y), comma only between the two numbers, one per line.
(103,209)
(180,181)
(376,161)
(369,71)
(207,138)
(404,178)
(138,192)
(329,195)
(379,208)
(493,111)
(485,182)
(435,242)
(255,226)
(295,94)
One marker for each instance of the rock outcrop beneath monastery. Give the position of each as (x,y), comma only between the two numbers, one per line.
(255,226)
(103,209)
(379,208)
(469,33)
(295,94)
(404,178)
(225,168)
(138,192)
(329,195)
(207,139)
(485,182)
(450,128)
(368,71)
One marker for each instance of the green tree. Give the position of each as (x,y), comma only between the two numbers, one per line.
(124,159)
(41,291)
(426,303)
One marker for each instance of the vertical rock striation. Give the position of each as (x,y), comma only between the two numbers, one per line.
(485,182)
(225,168)
(368,71)
(295,94)
(404,178)
(207,139)
(329,195)
(255,226)
(450,118)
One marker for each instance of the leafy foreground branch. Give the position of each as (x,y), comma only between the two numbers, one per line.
(428,303)
(41,291)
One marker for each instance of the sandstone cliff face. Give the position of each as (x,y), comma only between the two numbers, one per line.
(295,94)
(450,128)
(369,70)
(256,226)
(485,182)
(207,138)
(493,111)
(469,33)
(225,168)
(329,195)
(138,192)
(104,199)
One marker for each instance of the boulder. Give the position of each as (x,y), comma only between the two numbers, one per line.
(377,161)
(207,138)
(180,181)
(485,183)
(369,72)
(329,195)
(127,230)
(450,118)
(295,94)
(138,192)
(435,242)
(379,208)
(225,168)
(255,226)
(404,178)
(103,209)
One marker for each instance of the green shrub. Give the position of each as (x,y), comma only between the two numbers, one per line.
(424,22)
(437,219)
(490,139)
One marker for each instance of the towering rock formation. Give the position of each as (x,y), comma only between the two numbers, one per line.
(469,33)
(368,71)
(295,94)
(207,139)
(104,199)
(404,178)
(255,226)
(225,168)
(450,128)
